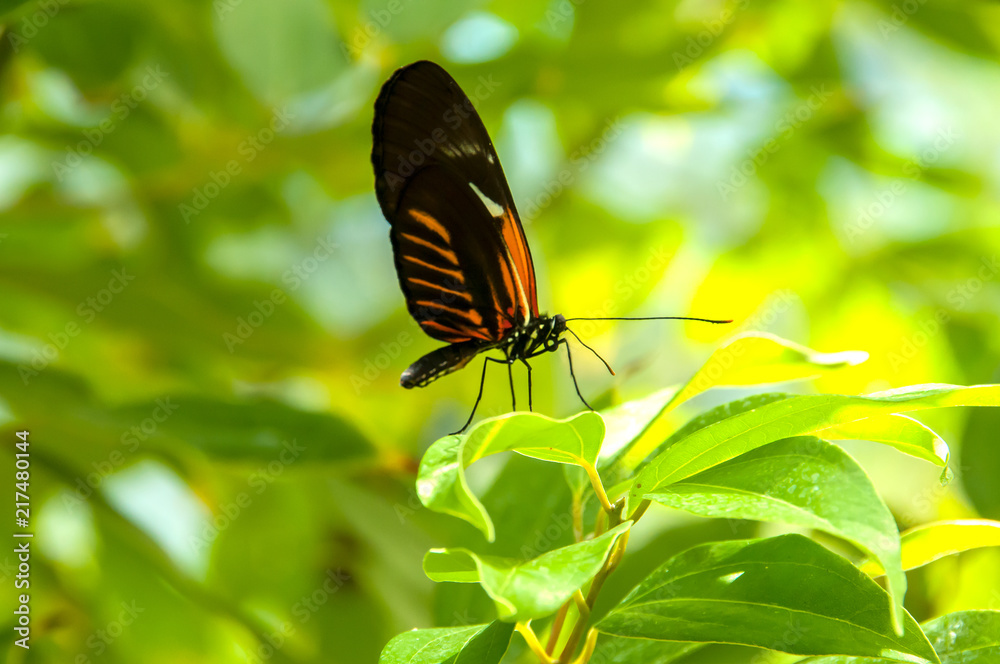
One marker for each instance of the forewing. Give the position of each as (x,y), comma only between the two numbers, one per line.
(457,283)
(424,121)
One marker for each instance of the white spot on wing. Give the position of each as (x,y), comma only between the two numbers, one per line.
(492,206)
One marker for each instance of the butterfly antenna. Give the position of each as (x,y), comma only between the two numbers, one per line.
(590,349)
(702,320)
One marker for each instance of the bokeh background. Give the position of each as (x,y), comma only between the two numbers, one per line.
(200,324)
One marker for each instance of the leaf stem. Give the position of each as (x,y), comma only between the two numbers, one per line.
(640,510)
(600,523)
(581,623)
(557,626)
(524,629)
(588,647)
(578,516)
(595,481)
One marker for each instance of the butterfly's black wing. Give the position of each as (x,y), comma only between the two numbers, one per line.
(461,256)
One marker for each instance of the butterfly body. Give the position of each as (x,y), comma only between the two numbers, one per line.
(539,335)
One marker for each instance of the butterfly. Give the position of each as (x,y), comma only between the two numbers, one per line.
(461,255)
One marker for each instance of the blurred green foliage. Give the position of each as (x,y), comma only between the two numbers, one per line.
(201,326)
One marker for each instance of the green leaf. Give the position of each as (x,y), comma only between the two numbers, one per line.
(751,358)
(928,542)
(441,483)
(8,5)
(803,481)
(963,637)
(759,358)
(280,50)
(523,590)
(627,421)
(640,651)
(785,593)
(93,44)
(252,430)
(904,433)
(796,416)
(476,644)
(966,637)
(621,470)
(981,462)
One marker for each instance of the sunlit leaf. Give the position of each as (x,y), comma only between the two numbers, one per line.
(625,465)
(904,433)
(753,358)
(441,483)
(476,644)
(784,593)
(803,481)
(759,358)
(526,589)
(796,416)
(931,541)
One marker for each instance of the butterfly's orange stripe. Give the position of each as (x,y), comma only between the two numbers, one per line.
(446,253)
(508,284)
(456,335)
(474,316)
(431,223)
(441,288)
(518,248)
(454,273)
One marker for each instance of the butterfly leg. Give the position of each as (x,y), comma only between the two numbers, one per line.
(530,407)
(569,355)
(510,379)
(479,397)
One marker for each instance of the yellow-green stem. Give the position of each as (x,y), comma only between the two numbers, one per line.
(524,629)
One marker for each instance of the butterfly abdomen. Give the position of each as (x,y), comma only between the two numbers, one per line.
(439,362)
